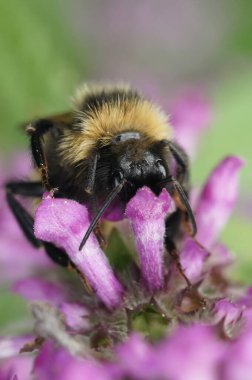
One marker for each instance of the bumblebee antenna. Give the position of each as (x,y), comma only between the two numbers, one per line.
(108,201)
(184,200)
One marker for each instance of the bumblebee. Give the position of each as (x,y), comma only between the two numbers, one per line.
(113,142)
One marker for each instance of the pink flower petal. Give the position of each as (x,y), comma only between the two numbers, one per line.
(147,213)
(76,316)
(34,289)
(229,313)
(190,116)
(238,361)
(143,365)
(192,352)
(178,357)
(64,222)
(57,364)
(115,212)
(17,368)
(220,256)
(192,259)
(217,200)
(10,346)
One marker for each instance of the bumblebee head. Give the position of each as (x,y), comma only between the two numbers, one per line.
(139,162)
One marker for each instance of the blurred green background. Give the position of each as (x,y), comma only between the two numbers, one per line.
(162,47)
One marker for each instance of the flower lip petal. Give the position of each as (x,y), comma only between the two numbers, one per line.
(145,205)
(57,364)
(190,116)
(11,346)
(192,258)
(144,356)
(230,313)
(68,220)
(35,289)
(76,316)
(179,354)
(147,213)
(237,364)
(187,356)
(217,200)
(16,368)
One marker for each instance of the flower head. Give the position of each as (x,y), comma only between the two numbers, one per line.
(140,320)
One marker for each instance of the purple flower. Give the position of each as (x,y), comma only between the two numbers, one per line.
(192,258)
(238,361)
(75,314)
(230,314)
(40,290)
(217,200)
(68,220)
(147,214)
(190,117)
(220,256)
(16,368)
(57,364)
(11,346)
(141,320)
(175,357)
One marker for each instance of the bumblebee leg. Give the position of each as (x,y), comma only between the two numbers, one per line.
(58,255)
(26,189)
(172,250)
(26,221)
(179,196)
(182,176)
(173,225)
(181,158)
(37,129)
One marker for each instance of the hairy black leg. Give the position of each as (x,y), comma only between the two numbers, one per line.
(173,252)
(178,194)
(173,225)
(26,221)
(181,158)
(23,218)
(180,186)
(57,255)
(36,130)
(26,189)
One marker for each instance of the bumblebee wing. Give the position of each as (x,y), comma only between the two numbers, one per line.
(41,131)
(64,119)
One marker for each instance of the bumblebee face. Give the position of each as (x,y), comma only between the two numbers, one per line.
(139,166)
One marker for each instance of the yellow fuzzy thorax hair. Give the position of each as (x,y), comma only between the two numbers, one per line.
(98,125)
